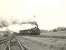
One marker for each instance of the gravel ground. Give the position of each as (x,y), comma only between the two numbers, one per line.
(37,43)
(31,45)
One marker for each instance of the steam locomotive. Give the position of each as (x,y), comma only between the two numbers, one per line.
(25,28)
(32,30)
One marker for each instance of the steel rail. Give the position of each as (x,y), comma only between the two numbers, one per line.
(7,42)
(22,45)
(3,41)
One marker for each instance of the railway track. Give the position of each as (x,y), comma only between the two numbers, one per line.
(13,44)
(37,43)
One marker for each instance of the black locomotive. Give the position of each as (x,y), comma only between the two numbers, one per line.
(32,31)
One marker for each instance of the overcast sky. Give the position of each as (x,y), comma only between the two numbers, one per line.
(49,13)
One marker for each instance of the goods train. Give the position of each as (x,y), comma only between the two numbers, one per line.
(31,29)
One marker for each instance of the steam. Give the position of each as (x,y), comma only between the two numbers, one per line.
(13,24)
(16,27)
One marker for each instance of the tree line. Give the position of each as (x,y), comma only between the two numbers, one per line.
(58,29)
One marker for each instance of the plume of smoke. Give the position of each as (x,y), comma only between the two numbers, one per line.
(13,24)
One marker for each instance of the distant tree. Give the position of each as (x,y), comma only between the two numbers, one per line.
(61,29)
(54,30)
(64,29)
